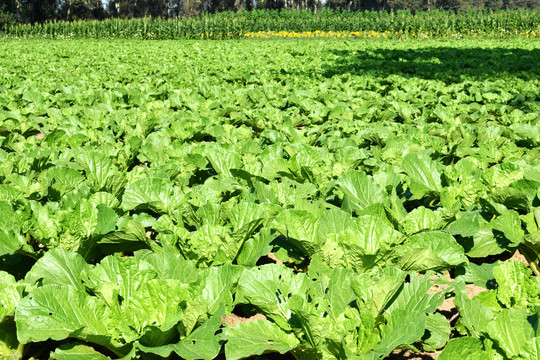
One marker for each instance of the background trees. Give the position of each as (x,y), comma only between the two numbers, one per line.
(32,11)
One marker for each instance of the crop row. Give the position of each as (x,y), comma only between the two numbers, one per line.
(336,201)
(229,25)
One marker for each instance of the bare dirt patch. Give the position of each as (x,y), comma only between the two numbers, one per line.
(519,257)
(409,355)
(234,319)
(273,257)
(473,290)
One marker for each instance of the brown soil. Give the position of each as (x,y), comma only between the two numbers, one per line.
(519,257)
(273,257)
(40,136)
(409,355)
(473,290)
(234,319)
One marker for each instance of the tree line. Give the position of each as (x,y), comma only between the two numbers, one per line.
(38,11)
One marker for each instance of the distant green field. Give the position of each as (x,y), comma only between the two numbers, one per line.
(487,23)
(322,199)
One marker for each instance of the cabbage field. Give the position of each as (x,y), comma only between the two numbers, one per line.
(270,199)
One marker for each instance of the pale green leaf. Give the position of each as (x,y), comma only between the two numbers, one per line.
(255,247)
(437,332)
(269,287)
(60,267)
(221,283)
(423,174)
(10,242)
(434,250)
(101,173)
(151,192)
(414,296)
(511,330)
(74,351)
(60,311)
(403,327)
(361,190)
(474,316)
(10,294)
(255,338)
(300,227)
(463,348)
(516,285)
(202,343)
(421,219)
(531,350)
(509,223)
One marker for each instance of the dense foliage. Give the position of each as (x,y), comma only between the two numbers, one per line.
(229,25)
(337,191)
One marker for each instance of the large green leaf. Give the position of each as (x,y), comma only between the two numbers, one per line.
(77,352)
(421,219)
(511,330)
(474,316)
(300,227)
(437,332)
(463,348)
(370,233)
(423,174)
(102,174)
(10,295)
(531,351)
(256,337)
(223,160)
(60,267)
(509,224)
(367,243)
(256,247)
(434,250)
(61,311)
(130,236)
(333,221)
(169,265)
(511,198)
(10,242)
(403,327)
(269,288)
(516,285)
(416,297)
(150,192)
(10,219)
(477,235)
(360,190)
(480,275)
(138,300)
(202,343)
(246,218)
(221,284)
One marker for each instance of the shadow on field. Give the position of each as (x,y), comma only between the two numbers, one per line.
(447,64)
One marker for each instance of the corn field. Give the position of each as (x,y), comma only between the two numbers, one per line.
(229,25)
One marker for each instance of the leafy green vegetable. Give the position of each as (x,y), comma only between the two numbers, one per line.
(463,348)
(10,296)
(143,204)
(255,337)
